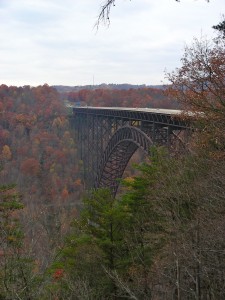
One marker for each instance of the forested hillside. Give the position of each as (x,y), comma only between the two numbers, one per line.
(38,150)
(124,86)
(38,155)
(41,182)
(140,97)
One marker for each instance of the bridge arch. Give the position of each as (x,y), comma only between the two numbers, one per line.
(125,141)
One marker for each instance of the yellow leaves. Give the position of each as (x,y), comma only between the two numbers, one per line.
(6,153)
(66,135)
(26,120)
(52,168)
(11,238)
(59,122)
(129,180)
(67,139)
(36,141)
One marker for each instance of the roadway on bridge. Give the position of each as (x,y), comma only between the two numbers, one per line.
(140,109)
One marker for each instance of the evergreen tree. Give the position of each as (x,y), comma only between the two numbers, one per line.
(220,27)
(16,277)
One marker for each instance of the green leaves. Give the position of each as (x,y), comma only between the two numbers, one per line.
(155,234)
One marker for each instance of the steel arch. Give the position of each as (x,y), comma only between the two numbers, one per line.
(125,141)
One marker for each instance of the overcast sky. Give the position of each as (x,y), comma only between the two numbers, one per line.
(55,42)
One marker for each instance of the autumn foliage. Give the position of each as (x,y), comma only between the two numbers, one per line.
(38,153)
(199,86)
(140,97)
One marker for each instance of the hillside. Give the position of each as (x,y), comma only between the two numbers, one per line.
(112,86)
(38,154)
(133,97)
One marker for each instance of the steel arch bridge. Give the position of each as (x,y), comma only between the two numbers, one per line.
(107,137)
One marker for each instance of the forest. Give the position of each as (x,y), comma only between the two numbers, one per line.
(132,97)
(161,237)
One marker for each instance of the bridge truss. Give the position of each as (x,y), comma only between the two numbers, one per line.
(108,137)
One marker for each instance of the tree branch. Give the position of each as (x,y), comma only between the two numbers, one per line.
(105,12)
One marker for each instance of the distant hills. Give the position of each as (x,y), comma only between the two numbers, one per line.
(111,86)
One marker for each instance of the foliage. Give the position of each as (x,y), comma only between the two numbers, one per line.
(140,97)
(38,152)
(17,280)
(199,85)
(95,245)
(156,240)
(220,27)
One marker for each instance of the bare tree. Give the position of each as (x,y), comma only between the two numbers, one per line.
(106,9)
(105,12)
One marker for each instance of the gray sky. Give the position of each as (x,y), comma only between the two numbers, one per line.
(55,42)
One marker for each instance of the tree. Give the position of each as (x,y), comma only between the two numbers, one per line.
(16,278)
(95,245)
(200,87)
(220,27)
(30,166)
(6,153)
(179,202)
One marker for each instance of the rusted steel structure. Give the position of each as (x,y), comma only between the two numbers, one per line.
(107,138)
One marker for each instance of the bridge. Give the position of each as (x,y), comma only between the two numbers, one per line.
(108,137)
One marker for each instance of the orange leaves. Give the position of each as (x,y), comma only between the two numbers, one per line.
(78,182)
(37,146)
(30,167)
(26,120)
(65,193)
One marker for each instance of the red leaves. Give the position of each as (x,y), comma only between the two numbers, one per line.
(58,274)
(30,167)
(4,136)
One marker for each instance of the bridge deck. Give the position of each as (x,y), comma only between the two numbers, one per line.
(164,117)
(140,109)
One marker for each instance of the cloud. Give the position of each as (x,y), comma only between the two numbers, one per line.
(55,41)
